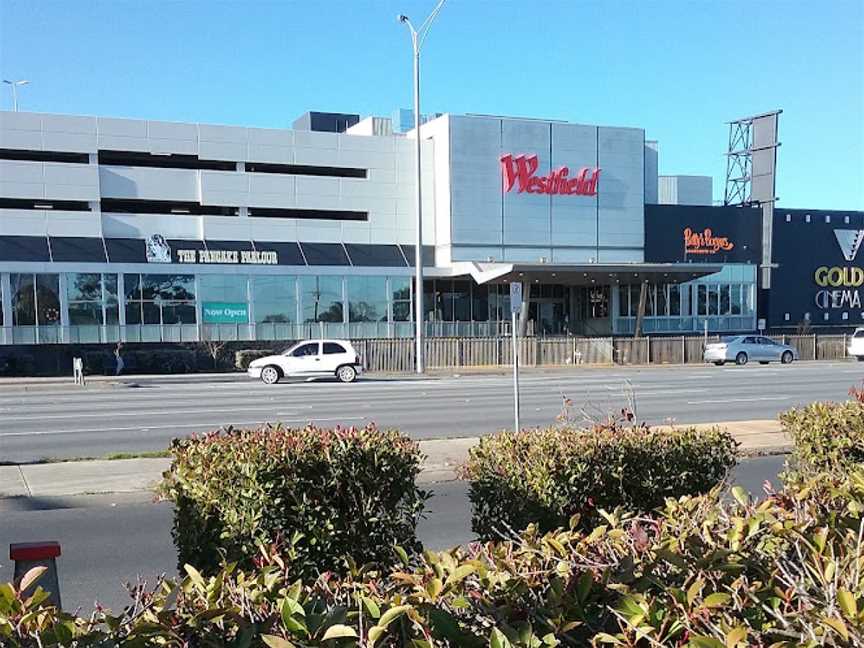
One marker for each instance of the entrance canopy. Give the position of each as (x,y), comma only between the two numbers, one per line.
(586,274)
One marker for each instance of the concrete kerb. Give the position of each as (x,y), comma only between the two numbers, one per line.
(757,438)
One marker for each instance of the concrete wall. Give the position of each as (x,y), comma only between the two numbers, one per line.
(387,193)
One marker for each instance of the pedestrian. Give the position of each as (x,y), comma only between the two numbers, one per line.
(119,357)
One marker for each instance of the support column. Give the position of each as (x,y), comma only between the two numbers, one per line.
(6,307)
(640,313)
(64,308)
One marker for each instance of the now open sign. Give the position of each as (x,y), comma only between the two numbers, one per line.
(224,313)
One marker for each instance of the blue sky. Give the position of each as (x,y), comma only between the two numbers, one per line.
(680,70)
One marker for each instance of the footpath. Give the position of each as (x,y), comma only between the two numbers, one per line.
(100,476)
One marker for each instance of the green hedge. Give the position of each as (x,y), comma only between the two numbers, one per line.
(826,437)
(320,495)
(783,572)
(546,476)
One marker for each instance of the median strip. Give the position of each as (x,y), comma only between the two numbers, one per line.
(141,473)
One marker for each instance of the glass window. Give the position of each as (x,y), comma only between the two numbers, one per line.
(713,300)
(480,303)
(650,296)
(331,348)
(662,300)
(623,301)
(303,350)
(275,298)
(461,293)
(23,299)
(634,300)
(321,299)
(160,299)
(702,299)
(675,301)
(736,303)
(223,288)
(725,300)
(92,299)
(48,299)
(400,292)
(367,299)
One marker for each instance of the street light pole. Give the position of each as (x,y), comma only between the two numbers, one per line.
(14,85)
(417,38)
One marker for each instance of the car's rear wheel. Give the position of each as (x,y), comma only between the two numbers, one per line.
(346,374)
(741,359)
(270,375)
(786,358)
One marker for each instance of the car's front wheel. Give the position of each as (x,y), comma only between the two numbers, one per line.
(346,373)
(270,375)
(741,359)
(786,358)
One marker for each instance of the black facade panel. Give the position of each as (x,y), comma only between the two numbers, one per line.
(24,248)
(702,234)
(384,256)
(819,257)
(124,250)
(70,249)
(428,255)
(318,254)
(288,253)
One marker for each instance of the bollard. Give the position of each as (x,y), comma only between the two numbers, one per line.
(28,555)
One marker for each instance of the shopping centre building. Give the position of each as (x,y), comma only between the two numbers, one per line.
(146,231)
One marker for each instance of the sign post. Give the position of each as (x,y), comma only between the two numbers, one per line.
(515,309)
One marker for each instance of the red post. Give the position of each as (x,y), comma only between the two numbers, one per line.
(28,555)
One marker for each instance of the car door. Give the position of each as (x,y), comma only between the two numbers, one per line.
(770,349)
(305,359)
(334,355)
(750,346)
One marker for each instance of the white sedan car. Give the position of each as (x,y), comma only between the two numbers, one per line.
(309,359)
(856,344)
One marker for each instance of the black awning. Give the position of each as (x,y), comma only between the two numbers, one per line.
(386,256)
(65,249)
(325,254)
(229,246)
(125,250)
(428,254)
(288,253)
(24,248)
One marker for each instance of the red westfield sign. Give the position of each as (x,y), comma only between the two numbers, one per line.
(519,171)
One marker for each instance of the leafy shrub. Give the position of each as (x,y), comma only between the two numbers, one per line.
(323,495)
(827,437)
(545,476)
(703,572)
(243,358)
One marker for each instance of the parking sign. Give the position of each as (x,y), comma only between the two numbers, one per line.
(515,296)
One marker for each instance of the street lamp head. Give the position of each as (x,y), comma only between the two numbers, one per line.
(402,18)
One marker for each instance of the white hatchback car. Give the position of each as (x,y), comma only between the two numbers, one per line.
(856,344)
(309,359)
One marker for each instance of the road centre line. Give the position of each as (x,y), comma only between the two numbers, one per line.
(739,400)
(208,426)
(128,412)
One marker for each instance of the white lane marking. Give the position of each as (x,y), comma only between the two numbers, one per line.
(740,400)
(128,412)
(148,428)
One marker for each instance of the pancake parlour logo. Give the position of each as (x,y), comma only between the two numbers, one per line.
(705,242)
(519,171)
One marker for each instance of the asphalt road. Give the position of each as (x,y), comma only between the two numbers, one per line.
(55,422)
(110,539)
